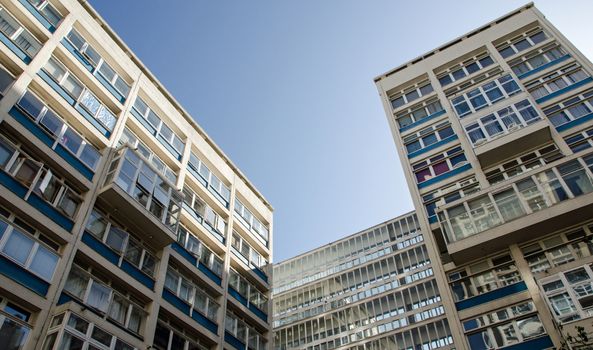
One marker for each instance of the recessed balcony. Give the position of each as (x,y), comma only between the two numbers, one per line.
(141,197)
(532,205)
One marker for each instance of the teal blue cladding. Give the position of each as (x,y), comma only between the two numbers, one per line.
(15,49)
(49,80)
(36,130)
(20,275)
(186,309)
(236,343)
(433,146)
(194,261)
(564,90)
(533,344)
(44,22)
(422,121)
(114,258)
(575,122)
(250,306)
(490,296)
(445,176)
(545,66)
(78,55)
(152,130)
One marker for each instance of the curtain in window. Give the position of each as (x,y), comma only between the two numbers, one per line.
(99,296)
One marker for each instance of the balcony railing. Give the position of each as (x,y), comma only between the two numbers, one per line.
(155,198)
(528,195)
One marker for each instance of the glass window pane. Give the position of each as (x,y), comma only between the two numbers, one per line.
(44,263)
(18,246)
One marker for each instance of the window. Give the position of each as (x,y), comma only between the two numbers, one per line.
(439,164)
(501,122)
(168,339)
(483,276)
(35,174)
(522,42)
(14,326)
(78,333)
(62,133)
(569,293)
(536,59)
(83,99)
(133,140)
(504,327)
(133,174)
(244,332)
(485,95)
(448,194)
(101,68)
(47,10)
(103,298)
(213,183)
(251,222)
(250,256)
(6,80)
(524,163)
(418,112)
(580,141)
(191,293)
(248,290)
(123,243)
(428,136)
(157,127)
(558,249)
(410,94)
(465,68)
(570,109)
(557,80)
(18,35)
(204,254)
(209,219)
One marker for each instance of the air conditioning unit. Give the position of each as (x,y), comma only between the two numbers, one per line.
(514,127)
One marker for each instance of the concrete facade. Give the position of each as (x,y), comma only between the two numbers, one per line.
(494,132)
(122,224)
(375,289)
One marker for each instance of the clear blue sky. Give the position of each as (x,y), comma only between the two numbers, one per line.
(285,88)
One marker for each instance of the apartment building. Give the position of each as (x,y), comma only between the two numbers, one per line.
(122,224)
(372,290)
(494,131)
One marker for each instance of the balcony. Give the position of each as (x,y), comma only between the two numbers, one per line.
(141,197)
(506,146)
(534,204)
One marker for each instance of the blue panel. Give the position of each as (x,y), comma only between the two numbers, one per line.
(197,176)
(490,296)
(36,130)
(237,296)
(64,298)
(33,127)
(210,274)
(22,276)
(78,55)
(177,302)
(433,219)
(422,121)
(110,87)
(137,274)
(100,248)
(143,121)
(38,15)
(564,90)
(236,343)
(56,87)
(169,148)
(575,122)
(534,344)
(547,65)
(15,49)
(204,321)
(92,120)
(261,274)
(219,197)
(75,162)
(184,253)
(51,212)
(258,312)
(445,175)
(433,146)
(13,185)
